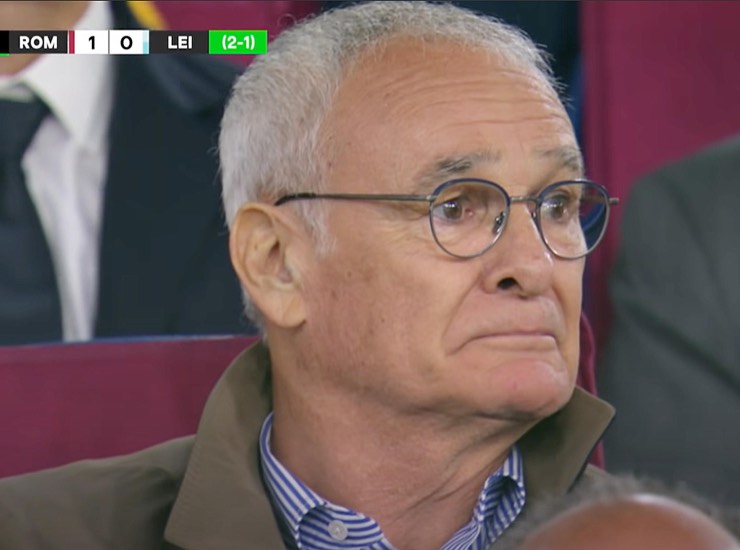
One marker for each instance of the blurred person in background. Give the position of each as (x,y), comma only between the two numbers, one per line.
(110,214)
(672,364)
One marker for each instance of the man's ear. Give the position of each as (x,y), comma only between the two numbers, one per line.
(264,251)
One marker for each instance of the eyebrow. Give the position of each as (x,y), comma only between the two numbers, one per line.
(446,168)
(568,157)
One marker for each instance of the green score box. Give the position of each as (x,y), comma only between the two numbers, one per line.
(237,42)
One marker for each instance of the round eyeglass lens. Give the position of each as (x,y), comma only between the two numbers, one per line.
(468,216)
(573,217)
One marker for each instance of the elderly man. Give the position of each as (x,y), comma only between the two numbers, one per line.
(409,222)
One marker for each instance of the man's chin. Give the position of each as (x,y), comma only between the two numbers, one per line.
(533,398)
(531,411)
(516,387)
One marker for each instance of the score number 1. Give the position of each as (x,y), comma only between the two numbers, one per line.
(90,42)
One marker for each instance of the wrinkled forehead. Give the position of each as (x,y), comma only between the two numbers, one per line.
(412,59)
(444,105)
(417,74)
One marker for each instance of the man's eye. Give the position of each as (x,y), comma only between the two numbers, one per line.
(452,210)
(560,207)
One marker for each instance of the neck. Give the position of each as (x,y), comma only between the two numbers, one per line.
(36,16)
(419,475)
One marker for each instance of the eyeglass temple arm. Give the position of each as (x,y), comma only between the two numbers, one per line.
(611,202)
(352,196)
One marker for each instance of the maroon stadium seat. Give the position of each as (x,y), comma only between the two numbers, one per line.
(65,402)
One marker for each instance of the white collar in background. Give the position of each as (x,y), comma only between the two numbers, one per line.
(77,88)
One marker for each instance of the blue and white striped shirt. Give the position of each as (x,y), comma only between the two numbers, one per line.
(309,522)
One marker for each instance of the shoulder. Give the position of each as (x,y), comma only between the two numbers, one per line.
(665,216)
(121,502)
(710,170)
(721,156)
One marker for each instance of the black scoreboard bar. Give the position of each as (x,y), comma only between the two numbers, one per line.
(38,42)
(4,42)
(134,42)
(178,42)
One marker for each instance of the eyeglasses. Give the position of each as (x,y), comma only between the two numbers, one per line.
(467,216)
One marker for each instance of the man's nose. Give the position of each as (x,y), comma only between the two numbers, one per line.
(519,262)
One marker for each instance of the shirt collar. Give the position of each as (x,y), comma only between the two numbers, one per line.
(301,512)
(77,88)
(292,498)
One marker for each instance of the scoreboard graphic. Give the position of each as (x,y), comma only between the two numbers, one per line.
(134,42)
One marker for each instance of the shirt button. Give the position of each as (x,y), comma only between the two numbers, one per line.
(337,530)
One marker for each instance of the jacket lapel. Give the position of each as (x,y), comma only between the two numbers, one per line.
(557,449)
(222,502)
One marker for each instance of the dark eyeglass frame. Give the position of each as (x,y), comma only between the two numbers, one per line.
(432,198)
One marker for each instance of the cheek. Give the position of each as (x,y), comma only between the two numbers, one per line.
(385,287)
(358,325)
(347,295)
(373,301)
(568,285)
(569,288)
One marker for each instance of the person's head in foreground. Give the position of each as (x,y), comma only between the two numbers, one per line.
(624,513)
(406,202)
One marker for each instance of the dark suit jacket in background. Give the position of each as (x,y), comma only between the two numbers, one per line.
(206,492)
(164,264)
(672,366)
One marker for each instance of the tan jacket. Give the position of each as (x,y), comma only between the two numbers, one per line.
(205,492)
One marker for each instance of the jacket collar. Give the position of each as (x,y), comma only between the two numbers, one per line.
(222,502)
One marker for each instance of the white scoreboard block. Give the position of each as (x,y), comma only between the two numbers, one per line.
(90,42)
(128,42)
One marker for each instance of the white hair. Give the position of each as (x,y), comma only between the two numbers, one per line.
(270,133)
